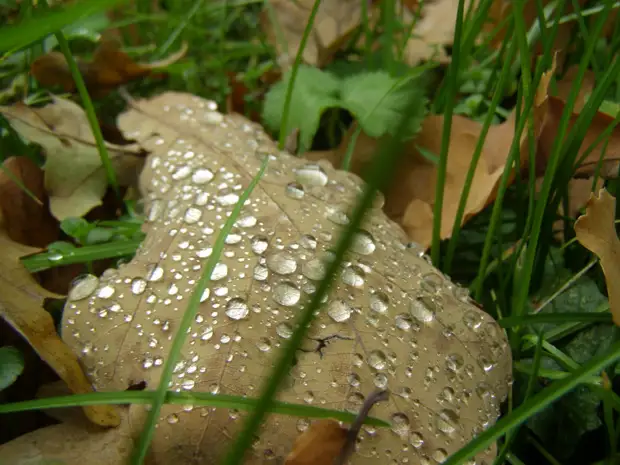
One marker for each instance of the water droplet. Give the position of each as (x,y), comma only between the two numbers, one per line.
(416,440)
(363,243)
(353,276)
(314,269)
(295,190)
(83,286)
(205,294)
(403,322)
(339,310)
(192,215)
(237,309)
(173,418)
(454,362)
(311,175)
(472,320)
(226,200)
(354,380)
(400,424)
(155,273)
(420,309)
(308,397)
(439,455)
(207,333)
(282,263)
(261,273)
(138,286)
(264,344)
(220,271)
(284,330)
(286,293)
(337,216)
(188,384)
(259,244)
(202,176)
(308,242)
(106,292)
(377,360)
(181,173)
(302,425)
(380,380)
(447,421)
(379,302)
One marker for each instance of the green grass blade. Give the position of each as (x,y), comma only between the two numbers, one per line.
(284,129)
(20,35)
(377,176)
(546,318)
(200,399)
(451,90)
(188,317)
(90,253)
(533,405)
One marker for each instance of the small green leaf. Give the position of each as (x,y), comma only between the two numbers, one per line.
(378,101)
(315,91)
(77,228)
(11,366)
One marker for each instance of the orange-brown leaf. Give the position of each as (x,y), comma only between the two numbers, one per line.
(596,230)
(109,68)
(320,444)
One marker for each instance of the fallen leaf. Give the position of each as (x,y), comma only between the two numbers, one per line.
(75,179)
(596,231)
(21,300)
(77,443)
(109,68)
(127,318)
(334,22)
(320,444)
(27,220)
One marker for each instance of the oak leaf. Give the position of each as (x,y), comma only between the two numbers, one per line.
(110,68)
(596,231)
(75,179)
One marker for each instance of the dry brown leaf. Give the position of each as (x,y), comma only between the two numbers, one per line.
(334,22)
(121,325)
(21,300)
(78,443)
(75,179)
(596,231)
(26,220)
(320,444)
(109,68)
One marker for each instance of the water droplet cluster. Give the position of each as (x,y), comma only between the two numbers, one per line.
(391,321)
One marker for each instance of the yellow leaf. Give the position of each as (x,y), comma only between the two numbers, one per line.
(596,231)
(320,444)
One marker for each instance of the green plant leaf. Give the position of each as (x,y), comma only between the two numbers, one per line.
(315,91)
(378,101)
(11,366)
(561,425)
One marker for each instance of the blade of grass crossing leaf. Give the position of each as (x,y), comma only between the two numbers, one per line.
(188,316)
(202,399)
(497,96)
(377,176)
(534,405)
(546,318)
(47,260)
(523,279)
(90,112)
(452,88)
(284,130)
(27,32)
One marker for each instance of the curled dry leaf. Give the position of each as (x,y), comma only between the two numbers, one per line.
(596,231)
(334,22)
(75,179)
(412,331)
(21,300)
(109,68)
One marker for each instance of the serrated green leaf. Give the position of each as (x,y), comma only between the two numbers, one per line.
(11,366)
(378,101)
(314,92)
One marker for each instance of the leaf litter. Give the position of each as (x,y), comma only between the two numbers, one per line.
(200,161)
